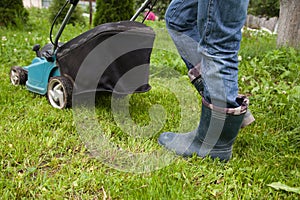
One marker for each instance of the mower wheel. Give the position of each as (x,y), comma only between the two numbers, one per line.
(18,76)
(59,92)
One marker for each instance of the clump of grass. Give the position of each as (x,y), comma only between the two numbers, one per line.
(256,43)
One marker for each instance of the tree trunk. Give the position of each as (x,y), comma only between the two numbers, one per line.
(91,12)
(289,24)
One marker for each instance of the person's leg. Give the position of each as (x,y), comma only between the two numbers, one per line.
(181,21)
(219,25)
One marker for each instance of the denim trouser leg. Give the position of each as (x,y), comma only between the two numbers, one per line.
(181,21)
(209,32)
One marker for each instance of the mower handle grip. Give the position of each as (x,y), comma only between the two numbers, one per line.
(74,2)
(65,21)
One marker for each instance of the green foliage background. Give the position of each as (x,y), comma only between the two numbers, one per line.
(159,8)
(113,11)
(266,8)
(76,17)
(12,12)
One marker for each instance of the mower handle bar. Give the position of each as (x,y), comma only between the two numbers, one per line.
(64,23)
(141,9)
(74,2)
(72,8)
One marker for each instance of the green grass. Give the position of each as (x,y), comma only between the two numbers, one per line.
(43,155)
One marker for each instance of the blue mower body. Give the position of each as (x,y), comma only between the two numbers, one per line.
(39,73)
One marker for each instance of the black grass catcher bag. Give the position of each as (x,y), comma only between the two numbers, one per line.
(113,57)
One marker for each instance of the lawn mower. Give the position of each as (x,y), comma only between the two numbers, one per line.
(54,69)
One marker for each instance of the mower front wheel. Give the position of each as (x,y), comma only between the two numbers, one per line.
(18,76)
(59,92)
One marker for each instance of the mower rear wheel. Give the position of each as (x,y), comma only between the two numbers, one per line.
(59,92)
(18,76)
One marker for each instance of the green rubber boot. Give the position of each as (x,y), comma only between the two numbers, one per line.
(214,136)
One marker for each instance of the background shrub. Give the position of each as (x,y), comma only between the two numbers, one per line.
(76,17)
(12,12)
(113,11)
(159,8)
(266,8)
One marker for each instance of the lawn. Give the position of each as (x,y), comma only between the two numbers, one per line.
(45,155)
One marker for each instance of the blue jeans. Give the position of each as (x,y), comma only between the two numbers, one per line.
(207,33)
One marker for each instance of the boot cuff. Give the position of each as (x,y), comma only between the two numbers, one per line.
(242,100)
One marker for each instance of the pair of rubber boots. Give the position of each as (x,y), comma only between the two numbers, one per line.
(216,132)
